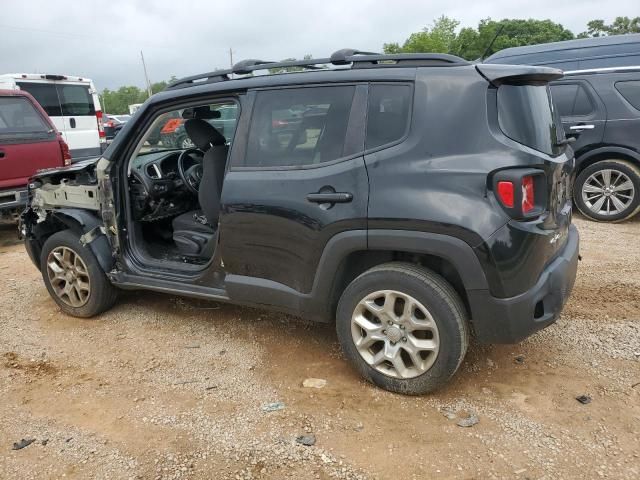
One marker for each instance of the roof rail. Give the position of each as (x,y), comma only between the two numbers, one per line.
(200,79)
(346,56)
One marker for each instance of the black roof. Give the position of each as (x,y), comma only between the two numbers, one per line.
(356,59)
(566,45)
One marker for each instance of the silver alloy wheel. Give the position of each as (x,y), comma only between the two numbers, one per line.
(608,192)
(395,334)
(68,276)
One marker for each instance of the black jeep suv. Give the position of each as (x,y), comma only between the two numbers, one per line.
(415,199)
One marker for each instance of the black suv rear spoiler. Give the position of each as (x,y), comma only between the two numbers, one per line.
(497,73)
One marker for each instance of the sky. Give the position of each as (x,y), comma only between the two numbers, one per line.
(102,40)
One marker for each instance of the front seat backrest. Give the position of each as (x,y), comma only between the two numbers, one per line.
(210,141)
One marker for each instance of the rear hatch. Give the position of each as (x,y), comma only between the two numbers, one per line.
(28,142)
(526,116)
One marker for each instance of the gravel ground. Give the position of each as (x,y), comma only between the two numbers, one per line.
(171,388)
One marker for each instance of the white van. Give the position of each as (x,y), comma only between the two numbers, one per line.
(73,105)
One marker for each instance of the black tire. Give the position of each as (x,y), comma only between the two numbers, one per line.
(102,294)
(627,168)
(434,293)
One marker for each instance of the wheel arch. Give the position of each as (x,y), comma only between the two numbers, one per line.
(78,221)
(606,153)
(450,257)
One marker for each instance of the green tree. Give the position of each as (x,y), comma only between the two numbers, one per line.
(471,43)
(440,37)
(620,26)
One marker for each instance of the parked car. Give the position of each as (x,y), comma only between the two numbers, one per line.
(72,105)
(579,54)
(409,212)
(113,124)
(599,101)
(601,107)
(28,142)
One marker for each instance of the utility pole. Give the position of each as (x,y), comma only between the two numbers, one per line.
(230,61)
(146,76)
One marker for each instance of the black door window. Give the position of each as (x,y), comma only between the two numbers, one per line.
(388,114)
(630,90)
(298,127)
(76,100)
(45,94)
(571,100)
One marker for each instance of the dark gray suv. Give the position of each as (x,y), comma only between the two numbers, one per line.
(601,107)
(412,199)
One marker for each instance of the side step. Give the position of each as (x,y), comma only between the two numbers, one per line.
(137,282)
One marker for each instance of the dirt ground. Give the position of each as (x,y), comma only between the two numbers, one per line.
(165,387)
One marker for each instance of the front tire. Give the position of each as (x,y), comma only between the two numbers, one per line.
(608,191)
(403,327)
(74,277)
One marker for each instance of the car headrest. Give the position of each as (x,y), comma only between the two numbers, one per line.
(203,134)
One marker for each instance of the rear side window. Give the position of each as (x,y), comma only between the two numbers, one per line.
(571,100)
(76,100)
(388,114)
(297,127)
(45,94)
(525,114)
(18,115)
(630,90)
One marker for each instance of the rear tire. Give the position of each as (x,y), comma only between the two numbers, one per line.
(615,202)
(415,332)
(73,276)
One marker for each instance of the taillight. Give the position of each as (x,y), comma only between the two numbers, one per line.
(64,149)
(528,194)
(506,193)
(521,192)
(101,134)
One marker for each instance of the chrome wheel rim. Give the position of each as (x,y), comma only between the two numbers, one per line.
(395,334)
(68,276)
(608,192)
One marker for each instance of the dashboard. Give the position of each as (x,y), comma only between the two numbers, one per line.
(156,188)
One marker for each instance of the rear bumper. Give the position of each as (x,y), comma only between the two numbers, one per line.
(13,199)
(510,320)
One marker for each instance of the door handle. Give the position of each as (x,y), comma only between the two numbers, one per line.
(330,197)
(579,128)
(72,122)
(1,154)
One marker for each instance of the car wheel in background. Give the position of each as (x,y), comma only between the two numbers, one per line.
(403,327)
(608,191)
(74,277)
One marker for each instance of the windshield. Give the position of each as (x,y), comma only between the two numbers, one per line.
(525,114)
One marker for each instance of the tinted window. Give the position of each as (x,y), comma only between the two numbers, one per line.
(583,105)
(630,90)
(76,100)
(525,115)
(18,115)
(45,94)
(564,96)
(571,100)
(297,127)
(388,114)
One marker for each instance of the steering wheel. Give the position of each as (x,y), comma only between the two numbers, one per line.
(191,175)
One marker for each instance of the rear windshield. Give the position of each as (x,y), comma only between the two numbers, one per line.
(61,99)
(19,116)
(525,114)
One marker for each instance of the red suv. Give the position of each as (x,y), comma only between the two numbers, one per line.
(28,142)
